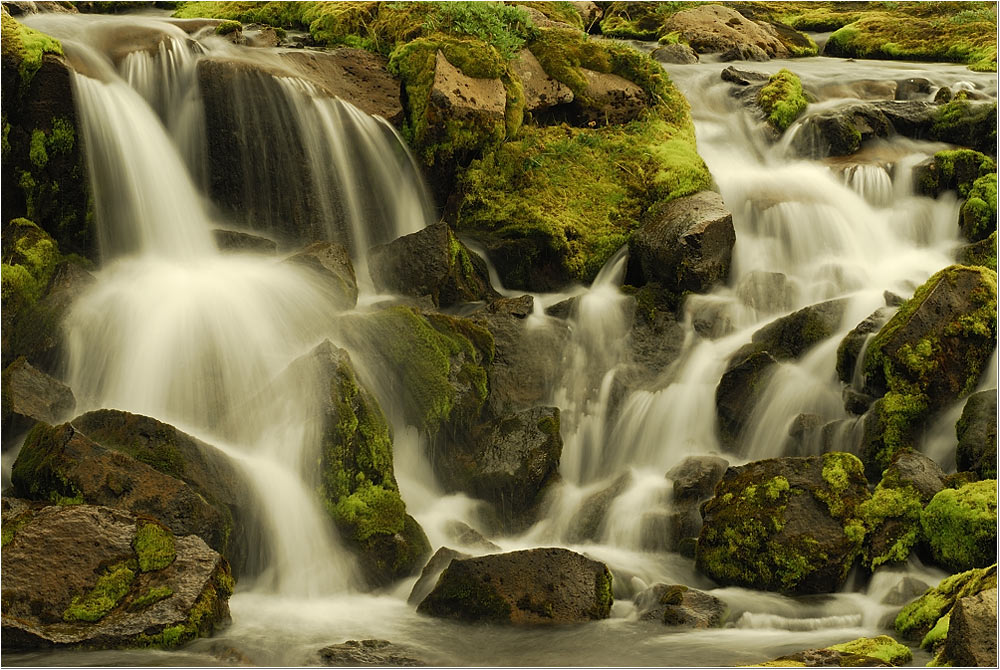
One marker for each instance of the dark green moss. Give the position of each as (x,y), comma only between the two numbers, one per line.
(154,546)
(979,212)
(782,99)
(966,123)
(961,525)
(227,27)
(150,597)
(36,474)
(30,258)
(603,594)
(902,507)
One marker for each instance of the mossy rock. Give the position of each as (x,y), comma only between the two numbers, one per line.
(961,526)
(968,124)
(979,211)
(976,430)
(918,618)
(782,100)
(881,651)
(983,253)
(932,352)
(137,584)
(785,524)
(954,169)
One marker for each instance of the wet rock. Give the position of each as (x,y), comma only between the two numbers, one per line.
(972,639)
(917,619)
(851,347)
(467,536)
(135,463)
(507,462)
(680,606)
(609,100)
(977,435)
(905,591)
(261,36)
(358,483)
(943,94)
(766,292)
(960,526)
(135,585)
(911,468)
(686,245)
(364,653)
(784,524)
(540,90)
(748,52)
(738,390)
(695,477)
(863,89)
(839,132)
(657,335)
(30,395)
(873,652)
(431,262)
(856,402)
(743,77)
(914,88)
(589,519)
(982,253)
(331,263)
(441,559)
(237,240)
(356,75)
(714,29)
(951,170)
(589,11)
(677,54)
(532,587)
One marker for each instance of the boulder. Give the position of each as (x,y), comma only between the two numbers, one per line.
(148,468)
(135,585)
(507,462)
(695,477)
(677,605)
(357,480)
(977,435)
(676,54)
(531,587)
(237,240)
(743,77)
(872,652)
(749,52)
(441,559)
(914,88)
(331,264)
(30,395)
(906,590)
(933,351)
(355,75)
(714,29)
(261,36)
(455,95)
(960,526)
(608,99)
(540,90)
(588,521)
(978,216)
(784,524)
(918,617)
(972,639)
(955,170)
(738,391)
(839,132)
(431,262)
(852,346)
(365,653)
(685,245)
(466,536)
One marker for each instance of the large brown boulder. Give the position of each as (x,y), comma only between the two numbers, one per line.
(685,245)
(972,638)
(785,524)
(714,29)
(531,587)
(134,584)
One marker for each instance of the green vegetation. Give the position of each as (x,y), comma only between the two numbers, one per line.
(27,47)
(961,525)
(979,212)
(35,474)
(154,546)
(560,11)
(901,507)
(227,27)
(983,253)
(883,647)
(12,525)
(782,99)
(150,597)
(30,258)
(640,20)
(969,124)
(918,618)
(110,589)
(207,611)
(956,169)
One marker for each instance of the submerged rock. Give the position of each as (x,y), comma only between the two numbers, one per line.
(784,524)
(363,653)
(331,264)
(677,54)
(30,395)
(135,585)
(237,240)
(977,435)
(431,262)
(531,587)
(852,346)
(588,521)
(680,606)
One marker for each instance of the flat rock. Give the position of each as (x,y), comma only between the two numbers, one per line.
(364,653)
(540,90)
(30,395)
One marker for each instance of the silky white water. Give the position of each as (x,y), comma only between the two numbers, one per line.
(176,330)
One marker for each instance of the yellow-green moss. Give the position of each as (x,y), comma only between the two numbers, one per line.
(150,597)
(966,123)
(154,546)
(30,258)
(979,212)
(937,635)
(901,506)
(27,47)
(110,589)
(918,618)
(227,27)
(883,647)
(961,525)
(782,99)
(640,20)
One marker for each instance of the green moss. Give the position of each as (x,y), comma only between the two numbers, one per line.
(957,169)
(204,616)
(62,138)
(154,545)
(36,474)
(603,595)
(918,618)
(110,589)
(640,20)
(13,525)
(782,99)
(227,27)
(30,260)
(966,123)
(901,506)
(979,212)
(476,600)
(26,47)
(36,152)
(937,635)
(883,647)
(150,597)
(563,12)
(961,525)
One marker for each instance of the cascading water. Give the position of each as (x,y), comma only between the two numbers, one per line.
(176,330)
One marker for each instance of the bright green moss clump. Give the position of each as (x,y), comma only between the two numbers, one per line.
(27,47)
(918,618)
(154,546)
(899,506)
(883,647)
(961,525)
(979,212)
(227,27)
(782,99)
(110,589)
(30,258)
(955,169)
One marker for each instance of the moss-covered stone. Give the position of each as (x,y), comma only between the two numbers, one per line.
(228,27)
(969,124)
(154,546)
(917,619)
(961,526)
(979,211)
(782,100)
(955,169)
(27,47)
(931,352)
(30,257)
(788,525)
(110,589)
(883,647)
(895,511)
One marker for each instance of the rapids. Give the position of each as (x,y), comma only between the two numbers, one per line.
(179,331)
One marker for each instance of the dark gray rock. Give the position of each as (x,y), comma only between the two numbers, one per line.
(680,606)
(237,240)
(914,88)
(747,52)
(907,590)
(914,469)
(977,435)
(467,536)
(738,391)
(30,395)
(441,559)
(743,77)
(685,245)
(331,263)
(532,587)
(364,653)
(972,631)
(696,476)
(852,346)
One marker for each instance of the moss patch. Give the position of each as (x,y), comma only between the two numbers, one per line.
(35,474)
(979,212)
(110,589)
(883,647)
(150,597)
(918,618)
(901,506)
(969,124)
(30,257)
(782,99)
(154,546)
(961,525)
(26,47)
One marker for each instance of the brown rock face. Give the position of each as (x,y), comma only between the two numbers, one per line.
(609,99)
(540,90)
(457,96)
(714,28)
(972,639)
(30,395)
